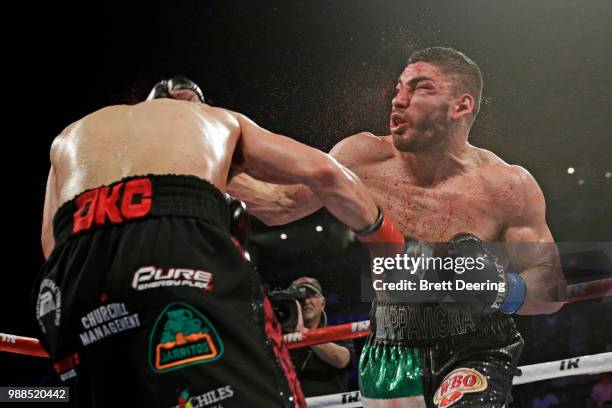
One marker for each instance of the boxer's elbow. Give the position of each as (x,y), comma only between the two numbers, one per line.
(47,242)
(283,212)
(558,296)
(557,290)
(546,290)
(554,307)
(539,307)
(560,292)
(548,307)
(325,175)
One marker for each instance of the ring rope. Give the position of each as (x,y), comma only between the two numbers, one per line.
(591,364)
(574,293)
(347,331)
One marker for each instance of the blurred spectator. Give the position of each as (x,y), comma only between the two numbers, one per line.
(602,391)
(322,369)
(565,401)
(544,399)
(590,403)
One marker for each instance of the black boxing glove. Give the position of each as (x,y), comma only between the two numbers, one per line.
(486,287)
(164,88)
(240,225)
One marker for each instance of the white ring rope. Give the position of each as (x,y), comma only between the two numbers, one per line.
(592,364)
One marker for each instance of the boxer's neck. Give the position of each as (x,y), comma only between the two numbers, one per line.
(440,162)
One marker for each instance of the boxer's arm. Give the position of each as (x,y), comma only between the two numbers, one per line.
(277,204)
(274,204)
(278,159)
(49,209)
(532,250)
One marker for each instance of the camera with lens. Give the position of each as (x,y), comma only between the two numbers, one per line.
(285,306)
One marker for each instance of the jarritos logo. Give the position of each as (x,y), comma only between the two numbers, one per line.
(457,383)
(182,336)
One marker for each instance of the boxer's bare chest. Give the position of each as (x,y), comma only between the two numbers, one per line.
(462,203)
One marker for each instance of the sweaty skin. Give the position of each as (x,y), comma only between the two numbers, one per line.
(168,136)
(434,184)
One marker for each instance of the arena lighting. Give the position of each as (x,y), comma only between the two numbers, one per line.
(580,182)
(570,170)
(319,228)
(283,236)
(608,174)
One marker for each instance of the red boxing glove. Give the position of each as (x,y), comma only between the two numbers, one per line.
(382,231)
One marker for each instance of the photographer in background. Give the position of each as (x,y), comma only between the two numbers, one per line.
(321,368)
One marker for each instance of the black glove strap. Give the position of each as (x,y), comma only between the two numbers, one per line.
(375,225)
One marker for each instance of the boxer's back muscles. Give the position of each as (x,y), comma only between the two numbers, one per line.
(163,136)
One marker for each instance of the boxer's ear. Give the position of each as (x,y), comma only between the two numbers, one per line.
(464,105)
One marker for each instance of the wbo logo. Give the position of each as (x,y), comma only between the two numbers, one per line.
(458,382)
(182,336)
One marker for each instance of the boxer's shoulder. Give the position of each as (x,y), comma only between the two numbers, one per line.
(233,121)
(62,140)
(361,148)
(494,169)
(223,114)
(512,187)
(527,199)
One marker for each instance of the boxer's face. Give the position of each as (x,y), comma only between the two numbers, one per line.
(420,114)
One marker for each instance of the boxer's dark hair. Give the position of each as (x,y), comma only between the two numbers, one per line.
(165,87)
(453,62)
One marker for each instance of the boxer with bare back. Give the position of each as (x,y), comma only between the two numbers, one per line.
(145,298)
(439,188)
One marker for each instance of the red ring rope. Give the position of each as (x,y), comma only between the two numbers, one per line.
(575,293)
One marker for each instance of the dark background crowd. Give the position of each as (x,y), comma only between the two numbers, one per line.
(318,72)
